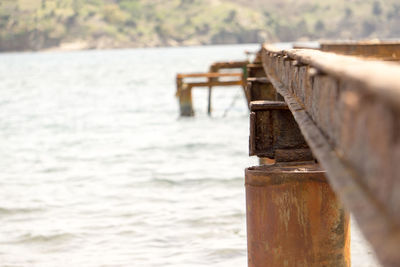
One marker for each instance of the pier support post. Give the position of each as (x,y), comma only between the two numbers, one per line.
(209,101)
(184,94)
(293,216)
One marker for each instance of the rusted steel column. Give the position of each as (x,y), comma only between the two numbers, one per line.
(209,101)
(294,218)
(213,69)
(185,102)
(184,93)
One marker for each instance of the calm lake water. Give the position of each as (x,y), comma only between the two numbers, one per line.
(97,169)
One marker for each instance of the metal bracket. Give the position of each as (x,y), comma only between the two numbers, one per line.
(275,134)
(259,88)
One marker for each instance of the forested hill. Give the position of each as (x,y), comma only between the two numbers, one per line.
(40,24)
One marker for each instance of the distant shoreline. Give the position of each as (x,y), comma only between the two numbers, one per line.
(83,45)
(66,47)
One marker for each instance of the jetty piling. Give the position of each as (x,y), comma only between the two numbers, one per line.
(184,93)
(294,218)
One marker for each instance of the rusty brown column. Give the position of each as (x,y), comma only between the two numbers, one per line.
(209,101)
(184,94)
(293,216)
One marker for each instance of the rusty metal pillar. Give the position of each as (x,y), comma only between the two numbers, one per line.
(213,69)
(293,215)
(184,93)
(209,101)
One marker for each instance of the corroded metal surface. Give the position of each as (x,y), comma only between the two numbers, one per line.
(259,88)
(255,70)
(272,129)
(349,112)
(294,218)
(380,50)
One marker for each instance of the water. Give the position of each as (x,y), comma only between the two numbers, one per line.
(98,170)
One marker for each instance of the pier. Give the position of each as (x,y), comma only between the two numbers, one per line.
(348,110)
(325,124)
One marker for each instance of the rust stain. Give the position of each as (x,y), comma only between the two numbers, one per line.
(295,218)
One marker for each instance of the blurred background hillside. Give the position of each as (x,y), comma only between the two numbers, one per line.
(76,24)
